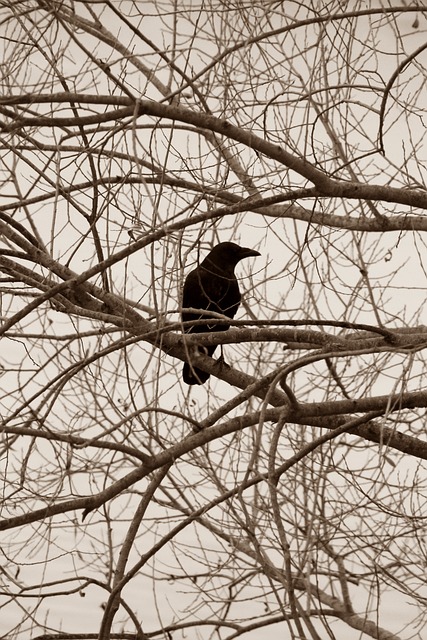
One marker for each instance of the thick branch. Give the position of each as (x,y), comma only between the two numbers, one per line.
(325,186)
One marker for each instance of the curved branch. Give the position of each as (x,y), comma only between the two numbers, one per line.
(325,186)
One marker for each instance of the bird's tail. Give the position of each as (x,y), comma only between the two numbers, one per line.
(192,375)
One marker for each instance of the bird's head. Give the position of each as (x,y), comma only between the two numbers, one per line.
(226,255)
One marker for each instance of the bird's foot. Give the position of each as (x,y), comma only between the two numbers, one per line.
(222,363)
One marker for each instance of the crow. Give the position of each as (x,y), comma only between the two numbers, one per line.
(212,286)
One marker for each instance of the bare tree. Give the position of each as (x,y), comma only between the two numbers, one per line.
(286,495)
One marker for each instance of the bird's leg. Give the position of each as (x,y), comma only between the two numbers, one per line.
(221,360)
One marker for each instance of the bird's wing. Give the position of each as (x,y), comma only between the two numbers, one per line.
(206,290)
(194,293)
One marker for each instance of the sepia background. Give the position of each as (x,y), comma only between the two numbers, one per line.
(286,497)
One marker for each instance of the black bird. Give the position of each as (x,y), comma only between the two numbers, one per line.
(212,286)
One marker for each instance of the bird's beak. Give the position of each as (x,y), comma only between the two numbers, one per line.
(247,253)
